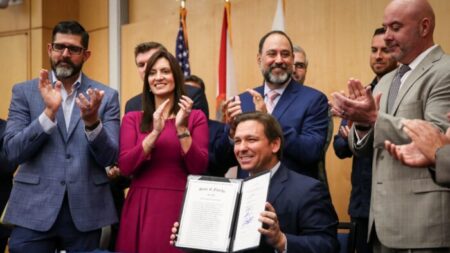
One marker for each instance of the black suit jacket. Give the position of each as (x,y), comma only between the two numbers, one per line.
(196,94)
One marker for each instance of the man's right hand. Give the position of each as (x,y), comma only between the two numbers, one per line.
(51,95)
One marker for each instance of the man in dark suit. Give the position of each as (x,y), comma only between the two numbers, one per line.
(63,130)
(215,129)
(6,176)
(142,53)
(299,215)
(301,111)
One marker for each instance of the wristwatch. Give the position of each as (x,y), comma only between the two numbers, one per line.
(184,134)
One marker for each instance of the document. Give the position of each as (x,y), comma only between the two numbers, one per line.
(221,214)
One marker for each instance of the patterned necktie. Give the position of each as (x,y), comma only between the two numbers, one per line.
(395,86)
(272,95)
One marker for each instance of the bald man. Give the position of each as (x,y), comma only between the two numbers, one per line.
(409,212)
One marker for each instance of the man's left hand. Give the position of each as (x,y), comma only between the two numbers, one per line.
(89,107)
(271,228)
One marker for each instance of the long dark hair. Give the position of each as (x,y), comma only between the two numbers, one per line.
(148,98)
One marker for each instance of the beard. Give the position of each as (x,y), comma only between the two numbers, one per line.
(277,79)
(67,70)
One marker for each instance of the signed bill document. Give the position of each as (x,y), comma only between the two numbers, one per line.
(221,214)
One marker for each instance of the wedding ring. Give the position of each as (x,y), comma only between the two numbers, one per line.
(343,113)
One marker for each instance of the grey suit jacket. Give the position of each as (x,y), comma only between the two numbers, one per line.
(442,170)
(408,208)
(52,165)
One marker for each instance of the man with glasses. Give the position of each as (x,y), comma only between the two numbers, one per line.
(63,130)
(300,64)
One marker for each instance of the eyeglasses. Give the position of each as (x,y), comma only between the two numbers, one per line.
(75,50)
(300,65)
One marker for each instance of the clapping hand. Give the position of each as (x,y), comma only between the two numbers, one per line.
(89,107)
(159,117)
(181,119)
(51,95)
(258,100)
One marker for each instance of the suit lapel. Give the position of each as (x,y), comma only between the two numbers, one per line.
(61,122)
(277,184)
(76,114)
(289,96)
(420,70)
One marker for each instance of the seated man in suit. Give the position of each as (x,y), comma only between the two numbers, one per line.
(63,130)
(142,53)
(429,148)
(299,215)
(301,111)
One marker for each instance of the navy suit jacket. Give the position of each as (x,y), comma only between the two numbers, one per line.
(6,176)
(359,206)
(305,213)
(303,115)
(215,168)
(60,163)
(196,94)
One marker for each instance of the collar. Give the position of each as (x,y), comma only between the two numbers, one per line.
(421,56)
(75,85)
(279,90)
(275,169)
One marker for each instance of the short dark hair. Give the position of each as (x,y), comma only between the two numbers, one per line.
(72,27)
(379,31)
(272,129)
(263,39)
(196,79)
(148,98)
(147,46)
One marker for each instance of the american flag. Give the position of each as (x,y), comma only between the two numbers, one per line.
(182,49)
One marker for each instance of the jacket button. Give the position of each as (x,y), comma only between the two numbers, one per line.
(68,156)
(63,182)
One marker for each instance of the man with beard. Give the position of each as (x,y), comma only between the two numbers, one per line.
(409,212)
(381,62)
(63,130)
(301,111)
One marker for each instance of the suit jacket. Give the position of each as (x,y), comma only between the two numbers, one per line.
(408,208)
(305,213)
(303,115)
(62,162)
(361,177)
(215,168)
(196,94)
(6,175)
(442,170)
